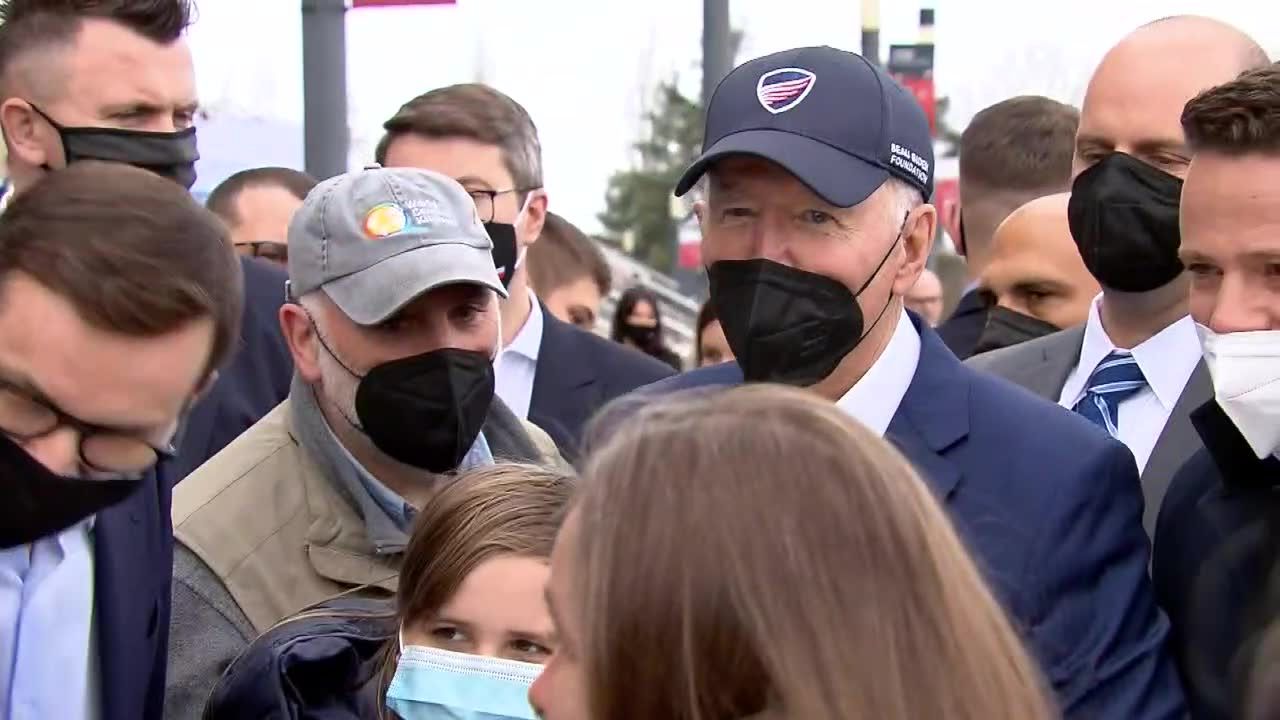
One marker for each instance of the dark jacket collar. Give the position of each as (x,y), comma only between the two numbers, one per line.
(1231,453)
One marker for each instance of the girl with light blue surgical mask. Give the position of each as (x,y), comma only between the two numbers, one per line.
(475,628)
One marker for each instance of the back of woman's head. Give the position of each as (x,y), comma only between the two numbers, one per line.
(757,551)
(504,509)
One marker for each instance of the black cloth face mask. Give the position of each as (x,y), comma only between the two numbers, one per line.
(644,336)
(38,502)
(169,154)
(1006,328)
(1123,215)
(506,253)
(786,325)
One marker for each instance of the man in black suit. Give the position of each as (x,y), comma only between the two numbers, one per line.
(1012,153)
(551,373)
(1218,533)
(256,205)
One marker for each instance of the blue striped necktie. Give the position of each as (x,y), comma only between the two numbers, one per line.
(1116,379)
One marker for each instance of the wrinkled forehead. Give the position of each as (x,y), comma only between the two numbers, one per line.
(109,64)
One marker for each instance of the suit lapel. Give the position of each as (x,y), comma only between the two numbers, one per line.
(563,377)
(1178,441)
(1056,356)
(934,414)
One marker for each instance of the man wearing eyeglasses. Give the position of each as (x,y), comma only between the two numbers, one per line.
(257,204)
(119,296)
(550,372)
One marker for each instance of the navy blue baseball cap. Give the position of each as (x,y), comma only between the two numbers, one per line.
(838,123)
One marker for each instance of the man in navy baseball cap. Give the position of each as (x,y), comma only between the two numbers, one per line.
(818,169)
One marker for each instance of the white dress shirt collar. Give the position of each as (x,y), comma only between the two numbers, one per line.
(875,398)
(528,340)
(1166,359)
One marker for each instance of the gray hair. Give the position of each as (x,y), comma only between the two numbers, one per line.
(904,199)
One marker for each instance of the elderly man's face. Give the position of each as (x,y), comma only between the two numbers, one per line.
(755,209)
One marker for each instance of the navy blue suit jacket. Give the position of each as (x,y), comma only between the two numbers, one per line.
(578,373)
(1051,509)
(133,569)
(1216,549)
(963,329)
(254,381)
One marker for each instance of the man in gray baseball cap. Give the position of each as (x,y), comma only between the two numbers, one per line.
(392,321)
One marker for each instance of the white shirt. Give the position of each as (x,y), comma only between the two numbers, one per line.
(1167,360)
(516,366)
(875,398)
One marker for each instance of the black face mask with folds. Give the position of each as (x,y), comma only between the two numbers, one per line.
(506,253)
(427,410)
(39,503)
(1123,215)
(169,154)
(786,325)
(1006,328)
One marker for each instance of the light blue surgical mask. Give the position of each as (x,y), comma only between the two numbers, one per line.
(432,684)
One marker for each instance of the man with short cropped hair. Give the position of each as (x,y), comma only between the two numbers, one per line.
(119,299)
(1011,153)
(1134,367)
(550,372)
(1216,551)
(569,272)
(257,205)
(1034,282)
(109,80)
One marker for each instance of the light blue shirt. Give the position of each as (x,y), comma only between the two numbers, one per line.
(400,511)
(48,662)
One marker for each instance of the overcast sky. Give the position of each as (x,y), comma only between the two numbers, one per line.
(585,68)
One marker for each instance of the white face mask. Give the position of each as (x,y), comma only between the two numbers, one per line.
(1245,367)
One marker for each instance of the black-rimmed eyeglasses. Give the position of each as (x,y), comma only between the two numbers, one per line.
(102,449)
(484,200)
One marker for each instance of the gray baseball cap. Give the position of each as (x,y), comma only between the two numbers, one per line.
(377,238)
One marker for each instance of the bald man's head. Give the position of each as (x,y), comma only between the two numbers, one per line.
(1035,268)
(1135,97)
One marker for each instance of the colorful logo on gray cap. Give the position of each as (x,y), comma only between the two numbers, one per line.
(780,90)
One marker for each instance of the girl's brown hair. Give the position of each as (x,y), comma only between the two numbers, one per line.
(757,552)
(506,509)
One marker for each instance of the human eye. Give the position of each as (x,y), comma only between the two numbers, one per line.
(447,634)
(530,650)
(817,217)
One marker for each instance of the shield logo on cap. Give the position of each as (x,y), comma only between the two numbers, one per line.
(780,90)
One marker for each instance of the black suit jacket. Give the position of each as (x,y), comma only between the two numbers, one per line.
(961,331)
(255,381)
(1217,542)
(578,373)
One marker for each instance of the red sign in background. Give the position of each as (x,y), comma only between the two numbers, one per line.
(922,87)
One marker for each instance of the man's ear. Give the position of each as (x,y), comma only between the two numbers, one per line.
(304,346)
(26,134)
(952,219)
(535,216)
(917,244)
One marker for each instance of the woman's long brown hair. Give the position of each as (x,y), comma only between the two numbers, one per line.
(756,551)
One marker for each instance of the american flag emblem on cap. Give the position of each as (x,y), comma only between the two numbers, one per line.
(781,90)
